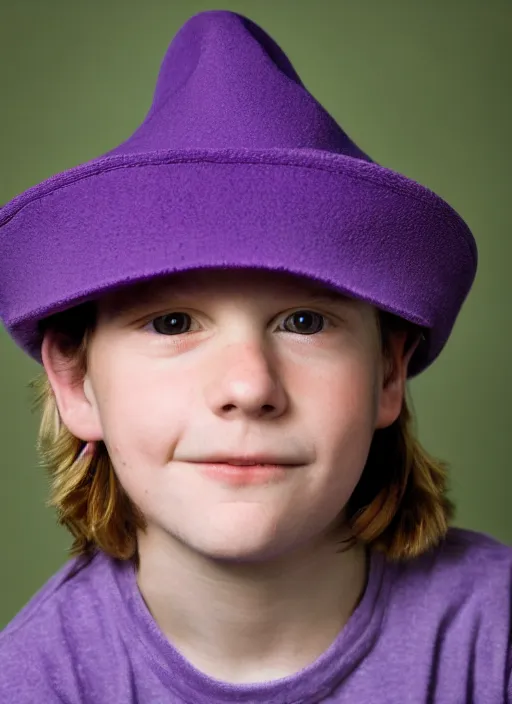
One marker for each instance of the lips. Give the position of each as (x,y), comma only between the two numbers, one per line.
(239,475)
(250,461)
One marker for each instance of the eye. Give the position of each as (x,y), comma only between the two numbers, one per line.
(303,322)
(171,323)
(306,322)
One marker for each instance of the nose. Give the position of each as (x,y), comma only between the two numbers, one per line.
(245,383)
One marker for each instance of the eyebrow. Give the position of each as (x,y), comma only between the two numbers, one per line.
(325,294)
(313,294)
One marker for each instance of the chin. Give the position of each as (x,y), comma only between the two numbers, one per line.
(247,554)
(250,547)
(237,532)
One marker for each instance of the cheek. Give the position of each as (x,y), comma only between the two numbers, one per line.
(344,393)
(343,422)
(142,417)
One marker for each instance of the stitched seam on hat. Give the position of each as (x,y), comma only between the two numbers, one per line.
(436,208)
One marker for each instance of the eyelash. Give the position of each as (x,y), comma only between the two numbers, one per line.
(149,326)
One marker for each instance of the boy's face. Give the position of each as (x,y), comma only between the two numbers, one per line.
(233,373)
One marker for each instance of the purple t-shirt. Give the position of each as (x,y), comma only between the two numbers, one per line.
(436,629)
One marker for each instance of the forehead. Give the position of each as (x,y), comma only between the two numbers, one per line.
(228,282)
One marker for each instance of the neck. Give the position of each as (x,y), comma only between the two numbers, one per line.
(243,622)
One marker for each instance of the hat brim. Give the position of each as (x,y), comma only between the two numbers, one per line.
(355,226)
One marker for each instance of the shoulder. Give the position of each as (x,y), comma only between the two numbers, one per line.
(50,607)
(465,557)
(37,648)
(469,544)
(458,595)
(448,616)
(466,564)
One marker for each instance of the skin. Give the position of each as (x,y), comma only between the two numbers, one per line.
(237,576)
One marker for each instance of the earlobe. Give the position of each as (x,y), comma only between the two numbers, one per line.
(393,389)
(88,391)
(73,392)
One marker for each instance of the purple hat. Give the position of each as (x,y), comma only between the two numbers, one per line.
(236,165)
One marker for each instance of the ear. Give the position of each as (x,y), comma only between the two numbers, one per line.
(392,393)
(73,391)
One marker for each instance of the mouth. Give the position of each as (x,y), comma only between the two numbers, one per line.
(251,461)
(246,473)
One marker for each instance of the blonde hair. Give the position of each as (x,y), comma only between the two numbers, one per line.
(399,507)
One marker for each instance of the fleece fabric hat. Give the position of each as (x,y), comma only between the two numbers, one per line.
(235,165)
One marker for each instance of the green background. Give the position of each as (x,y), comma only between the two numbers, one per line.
(424,88)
